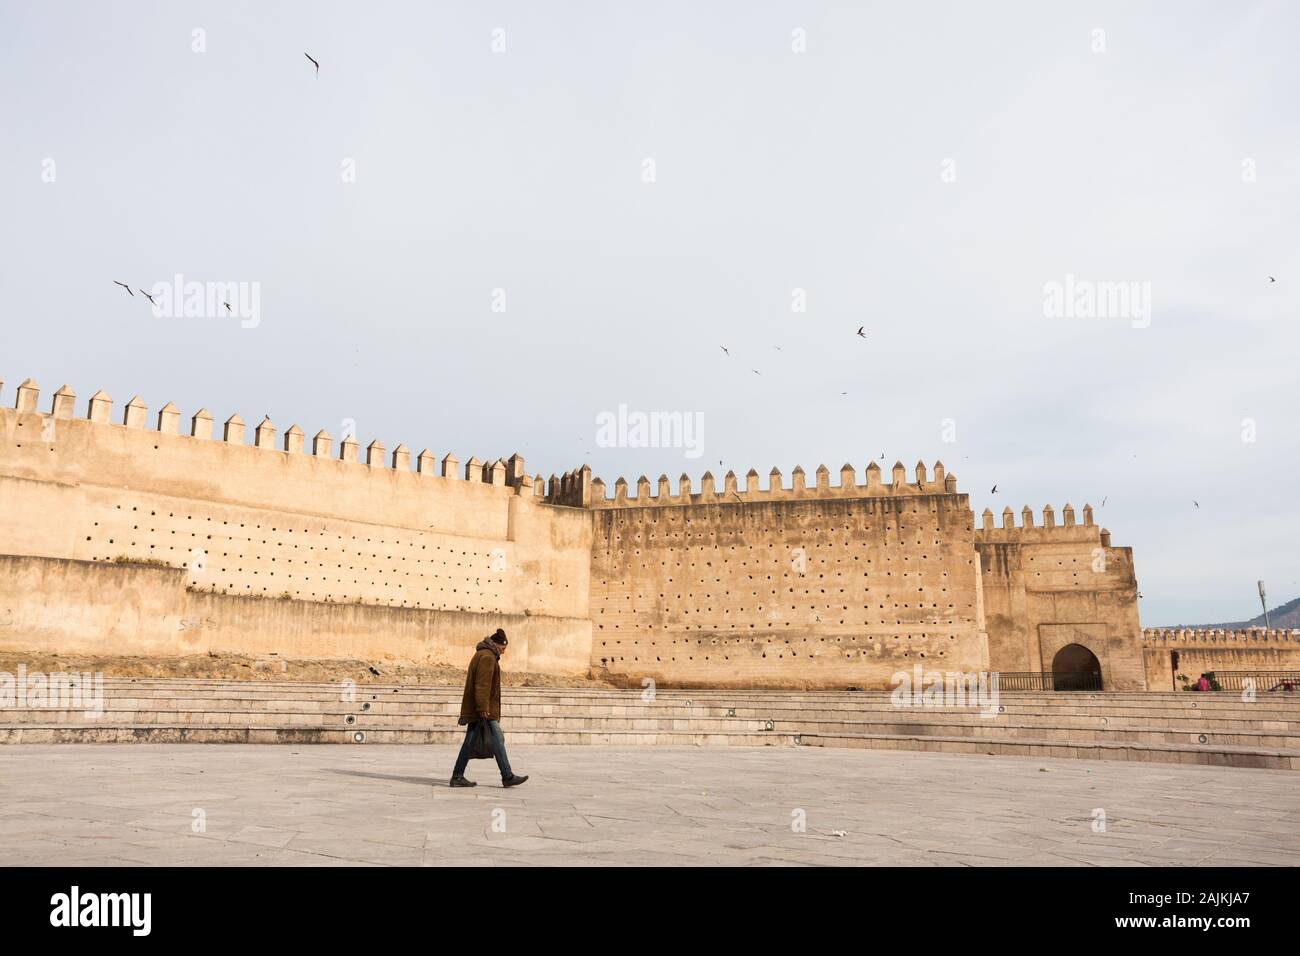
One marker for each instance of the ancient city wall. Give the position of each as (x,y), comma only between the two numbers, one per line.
(255,521)
(1200,651)
(68,607)
(121,530)
(828,586)
(1049,586)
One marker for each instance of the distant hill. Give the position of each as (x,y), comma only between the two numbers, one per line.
(1283,617)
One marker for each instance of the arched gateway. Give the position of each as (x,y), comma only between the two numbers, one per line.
(1076,668)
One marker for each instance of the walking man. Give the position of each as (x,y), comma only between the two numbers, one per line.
(482,701)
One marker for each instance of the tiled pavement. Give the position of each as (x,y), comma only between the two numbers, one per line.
(342,805)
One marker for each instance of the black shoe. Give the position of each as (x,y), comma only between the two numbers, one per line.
(514,780)
(462,782)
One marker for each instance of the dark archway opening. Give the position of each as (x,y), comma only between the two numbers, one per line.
(1076,668)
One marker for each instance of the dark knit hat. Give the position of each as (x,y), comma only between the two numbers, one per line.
(499,637)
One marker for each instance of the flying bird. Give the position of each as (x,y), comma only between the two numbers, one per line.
(1103,501)
(227,305)
(1271,279)
(860,332)
(1196,503)
(725,349)
(313,63)
(147,296)
(994,491)
(126,287)
(756,371)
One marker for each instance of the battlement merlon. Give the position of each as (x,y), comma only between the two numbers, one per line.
(1219,637)
(573,488)
(99,406)
(576,488)
(594,494)
(1068,529)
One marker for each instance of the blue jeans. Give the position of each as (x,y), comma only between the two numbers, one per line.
(498,739)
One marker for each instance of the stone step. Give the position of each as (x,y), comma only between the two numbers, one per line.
(417,715)
(910,725)
(1221,755)
(1211,729)
(1217,756)
(661,691)
(1250,717)
(635,705)
(243,734)
(332,687)
(255,690)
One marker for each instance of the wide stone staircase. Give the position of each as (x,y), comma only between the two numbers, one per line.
(1206,728)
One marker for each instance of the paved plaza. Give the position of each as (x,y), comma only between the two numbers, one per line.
(339,805)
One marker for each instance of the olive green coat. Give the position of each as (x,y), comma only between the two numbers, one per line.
(482,685)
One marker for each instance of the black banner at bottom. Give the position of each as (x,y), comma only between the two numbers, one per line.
(337,905)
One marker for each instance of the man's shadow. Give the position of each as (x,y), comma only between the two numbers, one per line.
(418,781)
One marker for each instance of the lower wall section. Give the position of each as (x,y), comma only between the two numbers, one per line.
(1199,652)
(809,660)
(55,604)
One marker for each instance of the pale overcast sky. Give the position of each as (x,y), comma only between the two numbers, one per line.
(1170,158)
